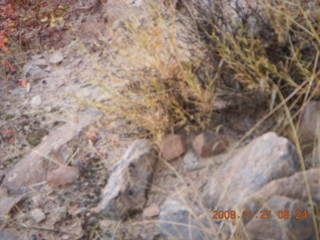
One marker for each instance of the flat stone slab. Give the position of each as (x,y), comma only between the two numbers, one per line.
(33,168)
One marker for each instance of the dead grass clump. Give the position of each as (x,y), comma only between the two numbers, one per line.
(267,52)
(158,89)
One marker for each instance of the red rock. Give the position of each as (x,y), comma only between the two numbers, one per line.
(62,176)
(151,211)
(208,143)
(173,146)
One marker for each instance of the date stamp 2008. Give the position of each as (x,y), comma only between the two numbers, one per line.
(265,214)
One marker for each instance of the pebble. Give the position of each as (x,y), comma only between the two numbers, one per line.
(36,101)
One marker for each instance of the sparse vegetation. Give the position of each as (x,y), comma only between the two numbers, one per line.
(170,67)
(264,61)
(269,56)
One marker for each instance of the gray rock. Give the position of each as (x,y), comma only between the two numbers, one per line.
(177,221)
(190,161)
(56,58)
(293,187)
(125,192)
(34,166)
(313,159)
(35,73)
(8,236)
(286,215)
(37,215)
(36,101)
(8,202)
(42,63)
(266,158)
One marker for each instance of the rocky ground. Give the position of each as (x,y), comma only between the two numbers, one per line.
(69,171)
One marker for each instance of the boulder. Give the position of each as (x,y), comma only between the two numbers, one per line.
(282,217)
(293,187)
(263,160)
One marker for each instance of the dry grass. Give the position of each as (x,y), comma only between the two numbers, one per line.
(167,87)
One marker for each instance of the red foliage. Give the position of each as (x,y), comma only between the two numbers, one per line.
(7,25)
(29,16)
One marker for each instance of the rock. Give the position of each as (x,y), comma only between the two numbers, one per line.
(34,73)
(122,10)
(62,176)
(176,221)
(36,101)
(37,215)
(293,187)
(264,159)
(310,121)
(313,159)
(229,14)
(173,146)
(278,225)
(34,166)
(209,143)
(151,211)
(8,236)
(125,192)
(42,63)
(190,161)
(56,58)
(91,30)
(8,202)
